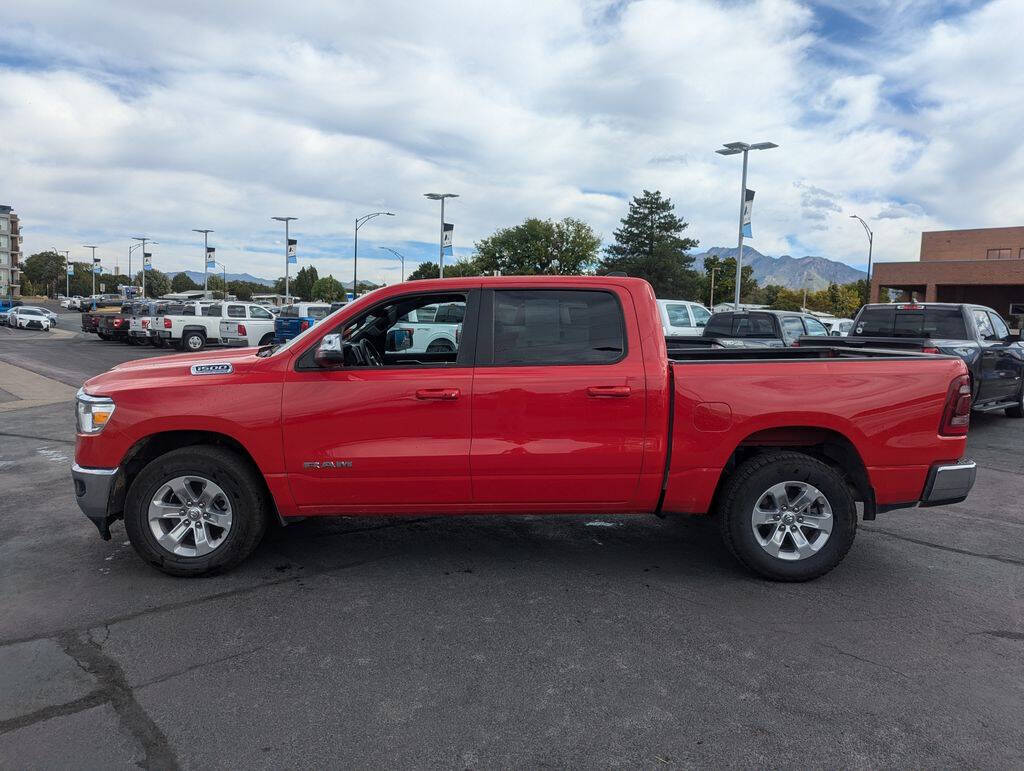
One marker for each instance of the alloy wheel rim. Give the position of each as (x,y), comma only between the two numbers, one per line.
(792,520)
(195,343)
(190,516)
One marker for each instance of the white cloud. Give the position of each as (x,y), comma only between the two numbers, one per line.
(126,119)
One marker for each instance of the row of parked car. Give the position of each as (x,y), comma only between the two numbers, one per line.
(14,314)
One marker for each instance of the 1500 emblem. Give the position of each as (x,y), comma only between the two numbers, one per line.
(221,368)
(327,464)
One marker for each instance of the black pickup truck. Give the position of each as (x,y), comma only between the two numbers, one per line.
(752,329)
(978,335)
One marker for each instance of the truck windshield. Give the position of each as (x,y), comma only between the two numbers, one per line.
(912,321)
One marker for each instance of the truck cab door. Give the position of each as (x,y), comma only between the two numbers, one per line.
(389,432)
(559,400)
(1005,375)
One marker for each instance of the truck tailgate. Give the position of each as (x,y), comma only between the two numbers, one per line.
(889,409)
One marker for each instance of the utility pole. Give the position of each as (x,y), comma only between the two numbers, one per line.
(440,255)
(92,265)
(711,301)
(733,148)
(67,276)
(206,252)
(285,220)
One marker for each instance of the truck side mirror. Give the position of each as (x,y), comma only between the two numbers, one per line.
(399,339)
(330,354)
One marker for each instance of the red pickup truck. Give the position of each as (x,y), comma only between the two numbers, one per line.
(560,397)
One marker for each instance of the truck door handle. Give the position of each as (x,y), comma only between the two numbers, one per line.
(442,394)
(608,391)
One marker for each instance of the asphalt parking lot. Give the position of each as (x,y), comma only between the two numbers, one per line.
(495,641)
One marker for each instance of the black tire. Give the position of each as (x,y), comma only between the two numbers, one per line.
(1017,411)
(193,342)
(130,340)
(267,339)
(159,342)
(103,336)
(745,488)
(233,474)
(441,346)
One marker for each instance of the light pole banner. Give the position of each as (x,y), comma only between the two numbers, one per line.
(292,248)
(97,269)
(748,206)
(211,259)
(147,261)
(446,241)
(71,269)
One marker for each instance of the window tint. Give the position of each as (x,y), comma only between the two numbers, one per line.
(678,316)
(910,321)
(700,315)
(259,313)
(212,310)
(815,327)
(557,327)
(740,325)
(984,324)
(792,326)
(450,314)
(1000,326)
(236,311)
(289,312)
(318,311)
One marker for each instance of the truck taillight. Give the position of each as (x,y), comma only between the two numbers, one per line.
(118,322)
(145,323)
(304,325)
(167,323)
(929,349)
(241,329)
(956,417)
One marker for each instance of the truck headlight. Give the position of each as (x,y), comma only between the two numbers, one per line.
(92,412)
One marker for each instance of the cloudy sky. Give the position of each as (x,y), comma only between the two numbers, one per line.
(153,118)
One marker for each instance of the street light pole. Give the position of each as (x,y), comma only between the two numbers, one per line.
(206,246)
(871,243)
(67,278)
(711,304)
(143,240)
(440,253)
(285,220)
(92,265)
(360,221)
(733,148)
(398,255)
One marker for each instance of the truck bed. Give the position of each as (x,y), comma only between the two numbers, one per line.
(829,351)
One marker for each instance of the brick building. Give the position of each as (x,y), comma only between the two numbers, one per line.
(10,252)
(984,265)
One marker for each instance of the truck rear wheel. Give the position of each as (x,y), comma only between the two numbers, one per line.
(787,516)
(196,510)
(192,342)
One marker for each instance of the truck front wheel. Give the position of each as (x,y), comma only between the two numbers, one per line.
(196,510)
(787,516)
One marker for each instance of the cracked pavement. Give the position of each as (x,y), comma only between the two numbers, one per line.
(501,641)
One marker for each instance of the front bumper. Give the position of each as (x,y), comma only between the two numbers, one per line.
(92,491)
(949,483)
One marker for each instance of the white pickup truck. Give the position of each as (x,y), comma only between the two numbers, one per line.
(434,328)
(198,323)
(247,326)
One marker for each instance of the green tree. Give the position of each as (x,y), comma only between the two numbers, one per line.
(27,288)
(539,246)
(302,284)
(44,270)
(157,282)
(725,281)
(424,270)
(182,283)
(650,245)
(328,289)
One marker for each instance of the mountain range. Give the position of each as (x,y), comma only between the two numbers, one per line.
(787,271)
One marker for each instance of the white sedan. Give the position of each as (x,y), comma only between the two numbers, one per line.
(29,318)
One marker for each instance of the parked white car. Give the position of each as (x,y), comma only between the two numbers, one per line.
(434,328)
(53,317)
(682,318)
(247,325)
(838,327)
(24,317)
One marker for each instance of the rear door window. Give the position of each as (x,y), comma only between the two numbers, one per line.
(557,327)
(678,316)
(941,323)
(792,327)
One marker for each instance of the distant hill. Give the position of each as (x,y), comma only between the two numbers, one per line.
(787,271)
(196,276)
